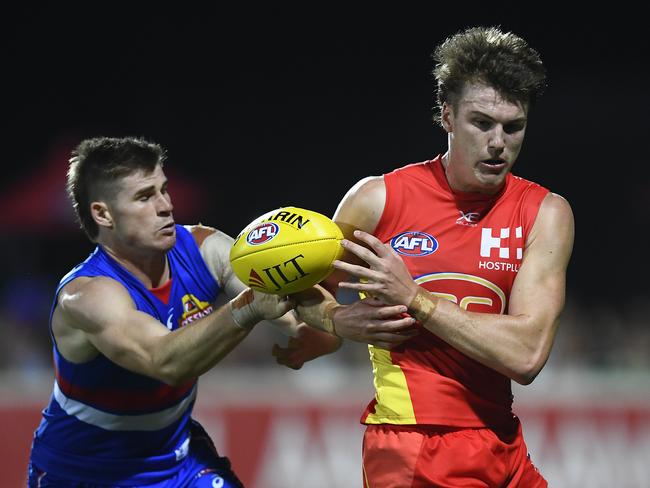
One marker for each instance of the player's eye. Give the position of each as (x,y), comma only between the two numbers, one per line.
(483,124)
(514,127)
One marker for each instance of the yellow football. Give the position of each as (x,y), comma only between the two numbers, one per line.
(286,250)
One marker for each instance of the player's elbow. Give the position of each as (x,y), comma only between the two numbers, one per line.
(525,378)
(173,376)
(529,368)
(170,371)
(533,351)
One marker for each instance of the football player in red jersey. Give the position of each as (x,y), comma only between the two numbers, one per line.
(479,258)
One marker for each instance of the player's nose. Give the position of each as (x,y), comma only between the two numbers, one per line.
(497,141)
(164,204)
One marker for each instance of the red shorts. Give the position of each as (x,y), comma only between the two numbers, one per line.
(411,456)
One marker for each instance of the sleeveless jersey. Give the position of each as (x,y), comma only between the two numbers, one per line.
(107,425)
(464,247)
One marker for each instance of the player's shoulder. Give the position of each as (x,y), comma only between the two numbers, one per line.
(200,232)
(91,292)
(555,218)
(362,206)
(214,246)
(368,184)
(89,284)
(367,192)
(557,206)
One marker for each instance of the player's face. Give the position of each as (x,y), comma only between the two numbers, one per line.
(485,135)
(142,212)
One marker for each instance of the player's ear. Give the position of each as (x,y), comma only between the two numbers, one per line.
(447,117)
(101,214)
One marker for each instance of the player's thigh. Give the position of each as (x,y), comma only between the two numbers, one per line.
(477,458)
(463,457)
(390,455)
(420,457)
(523,473)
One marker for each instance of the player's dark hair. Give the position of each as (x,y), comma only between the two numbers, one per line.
(487,55)
(98,162)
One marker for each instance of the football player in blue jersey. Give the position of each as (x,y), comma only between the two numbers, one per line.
(133,327)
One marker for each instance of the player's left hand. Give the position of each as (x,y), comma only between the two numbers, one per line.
(386,278)
(309,343)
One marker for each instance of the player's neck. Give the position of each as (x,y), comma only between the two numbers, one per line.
(150,268)
(462,183)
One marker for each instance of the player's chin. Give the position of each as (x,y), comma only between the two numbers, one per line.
(165,243)
(493,180)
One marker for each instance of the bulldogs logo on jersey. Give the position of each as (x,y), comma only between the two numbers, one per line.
(262,233)
(414,243)
(194,309)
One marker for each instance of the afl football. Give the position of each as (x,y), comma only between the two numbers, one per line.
(286,250)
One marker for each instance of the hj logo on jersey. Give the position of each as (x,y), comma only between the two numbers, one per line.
(501,244)
(262,233)
(490,242)
(414,243)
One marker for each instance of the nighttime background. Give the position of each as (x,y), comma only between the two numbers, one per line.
(262,108)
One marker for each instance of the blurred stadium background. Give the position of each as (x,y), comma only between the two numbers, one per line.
(283,106)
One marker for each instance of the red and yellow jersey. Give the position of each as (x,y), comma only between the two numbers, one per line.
(464,247)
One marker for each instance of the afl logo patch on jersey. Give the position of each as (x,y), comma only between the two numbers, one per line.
(262,233)
(414,243)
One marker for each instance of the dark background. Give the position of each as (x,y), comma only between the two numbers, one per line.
(259,108)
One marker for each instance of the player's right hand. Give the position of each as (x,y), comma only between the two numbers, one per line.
(268,306)
(373,322)
(250,307)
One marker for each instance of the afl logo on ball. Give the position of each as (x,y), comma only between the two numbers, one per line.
(262,233)
(414,243)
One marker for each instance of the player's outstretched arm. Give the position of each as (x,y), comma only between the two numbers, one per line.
(517,344)
(103,315)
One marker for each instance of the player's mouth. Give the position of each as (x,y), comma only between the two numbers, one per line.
(493,165)
(168,228)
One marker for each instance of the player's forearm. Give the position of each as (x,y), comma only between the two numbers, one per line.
(193,349)
(516,346)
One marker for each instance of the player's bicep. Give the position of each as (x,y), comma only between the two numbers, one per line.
(361,208)
(215,250)
(539,289)
(105,312)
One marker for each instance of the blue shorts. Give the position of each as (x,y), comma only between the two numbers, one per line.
(203,468)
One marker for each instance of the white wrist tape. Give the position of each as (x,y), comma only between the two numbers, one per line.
(243,311)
